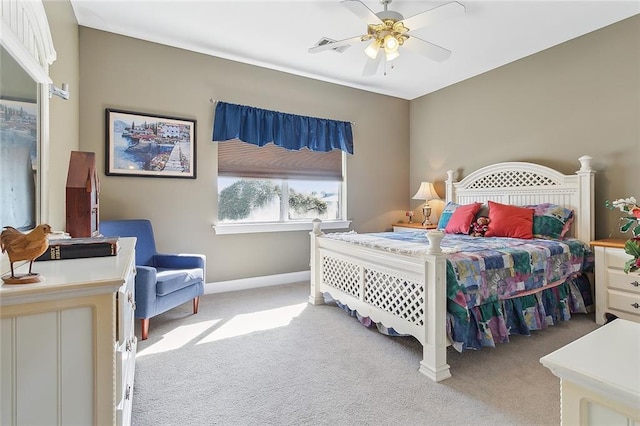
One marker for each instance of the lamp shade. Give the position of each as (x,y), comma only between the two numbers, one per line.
(426,192)
(372,49)
(390,56)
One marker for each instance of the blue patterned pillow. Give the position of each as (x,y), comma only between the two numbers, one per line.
(446,214)
(551,220)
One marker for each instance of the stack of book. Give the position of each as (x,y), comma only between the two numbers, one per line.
(75,248)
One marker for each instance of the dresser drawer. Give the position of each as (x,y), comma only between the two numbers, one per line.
(626,282)
(126,309)
(125,317)
(616,258)
(125,372)
(623,301)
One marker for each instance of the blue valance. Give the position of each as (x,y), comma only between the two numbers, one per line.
(260,127)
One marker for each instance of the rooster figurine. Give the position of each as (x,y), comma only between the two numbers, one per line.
(27,246)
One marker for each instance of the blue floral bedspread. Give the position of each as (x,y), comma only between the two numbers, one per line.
(500,286)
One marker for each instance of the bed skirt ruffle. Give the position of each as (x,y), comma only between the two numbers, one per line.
(493,322)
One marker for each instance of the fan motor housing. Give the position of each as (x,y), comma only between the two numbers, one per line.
(389,15)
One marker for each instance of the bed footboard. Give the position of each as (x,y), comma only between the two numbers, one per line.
(402,292)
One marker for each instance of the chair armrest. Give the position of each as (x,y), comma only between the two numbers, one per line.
(145,291)
(179,261)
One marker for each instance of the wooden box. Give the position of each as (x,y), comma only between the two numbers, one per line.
(82,195)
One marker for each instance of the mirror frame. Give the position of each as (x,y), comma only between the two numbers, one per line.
(26,36)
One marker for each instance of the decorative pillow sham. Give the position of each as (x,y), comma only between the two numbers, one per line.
(551,220)
(509,221)
(461,219)
(446,214)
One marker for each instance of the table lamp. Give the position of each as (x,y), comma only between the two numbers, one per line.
(426,192)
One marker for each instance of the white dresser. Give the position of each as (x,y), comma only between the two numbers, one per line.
(617,293)
(600,376)
(67,354)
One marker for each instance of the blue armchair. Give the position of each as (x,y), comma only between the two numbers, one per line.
(163,281)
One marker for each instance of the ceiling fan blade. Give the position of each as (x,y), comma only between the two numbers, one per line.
(430,50)
(361,11)
(333,45)
(371,66)
(432,16)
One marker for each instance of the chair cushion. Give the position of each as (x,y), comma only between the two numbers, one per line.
(170,280)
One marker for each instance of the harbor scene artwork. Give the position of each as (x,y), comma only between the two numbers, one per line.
(140,144)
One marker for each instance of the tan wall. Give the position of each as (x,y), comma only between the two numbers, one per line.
(130,74)
(581,97)
(63,114)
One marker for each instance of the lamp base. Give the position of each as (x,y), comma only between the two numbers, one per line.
(426,211)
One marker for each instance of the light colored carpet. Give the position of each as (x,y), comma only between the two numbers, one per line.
(266,357)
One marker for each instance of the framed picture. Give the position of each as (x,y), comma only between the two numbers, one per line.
(139,144)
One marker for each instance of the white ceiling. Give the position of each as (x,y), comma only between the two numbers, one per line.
(278,34)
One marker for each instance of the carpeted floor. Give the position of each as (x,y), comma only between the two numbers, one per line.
(267,357)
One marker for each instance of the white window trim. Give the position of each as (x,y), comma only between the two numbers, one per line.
(252,228)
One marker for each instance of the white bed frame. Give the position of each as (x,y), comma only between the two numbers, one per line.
(408,292)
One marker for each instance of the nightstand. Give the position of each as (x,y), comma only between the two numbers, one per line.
(408,227)
(617,293)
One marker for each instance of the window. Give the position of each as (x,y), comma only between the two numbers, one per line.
(277,200)
(272,185)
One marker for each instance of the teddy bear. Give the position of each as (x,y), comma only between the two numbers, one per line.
(479,227)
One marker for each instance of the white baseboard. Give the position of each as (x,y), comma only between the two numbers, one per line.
(256,282)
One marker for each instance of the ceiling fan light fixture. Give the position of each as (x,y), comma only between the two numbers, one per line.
(391,30)
(390,56)
(372,49)
(391,43)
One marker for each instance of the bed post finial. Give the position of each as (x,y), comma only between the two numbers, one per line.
(449,185)
(584,229)
(316,226)
(434,237)
(585,163)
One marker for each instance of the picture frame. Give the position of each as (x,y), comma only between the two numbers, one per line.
(149,145)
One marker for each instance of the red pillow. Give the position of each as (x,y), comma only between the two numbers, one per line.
(461,219)
(509,221)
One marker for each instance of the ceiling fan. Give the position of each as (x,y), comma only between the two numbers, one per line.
(387,31)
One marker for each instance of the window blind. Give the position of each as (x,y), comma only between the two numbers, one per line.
(242,159)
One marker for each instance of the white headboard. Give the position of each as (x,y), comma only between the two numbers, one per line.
(519,183)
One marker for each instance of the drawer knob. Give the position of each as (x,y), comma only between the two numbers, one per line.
(635,284)
(131,301)
(635,305)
